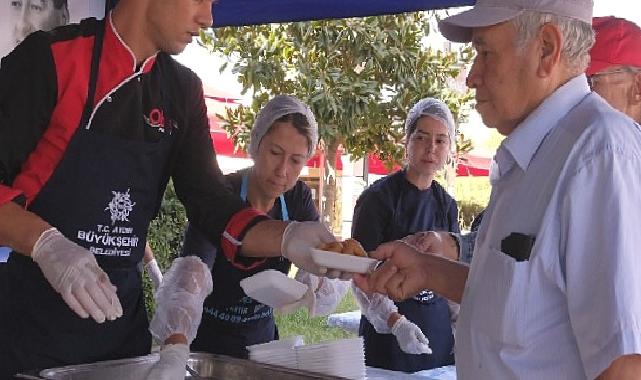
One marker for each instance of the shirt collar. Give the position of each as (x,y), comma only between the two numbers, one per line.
(526,138)
(121,53)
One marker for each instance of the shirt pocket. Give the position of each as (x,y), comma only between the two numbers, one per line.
(503,290)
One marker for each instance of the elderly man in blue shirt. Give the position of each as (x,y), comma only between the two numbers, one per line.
(553,290)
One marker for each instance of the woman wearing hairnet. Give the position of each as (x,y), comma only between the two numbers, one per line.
(283,138)
(392,208)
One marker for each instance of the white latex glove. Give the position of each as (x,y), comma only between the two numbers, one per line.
(74,273)
(328,294)
(171,365)
(179,300)
(377,308)
(308,300)
(298,240)
(154,272)
(410,337)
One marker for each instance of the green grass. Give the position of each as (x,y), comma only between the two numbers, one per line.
(472,195)
(315,329)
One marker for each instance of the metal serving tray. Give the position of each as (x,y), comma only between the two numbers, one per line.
(208,366)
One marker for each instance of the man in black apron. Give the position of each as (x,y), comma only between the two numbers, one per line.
(94,120)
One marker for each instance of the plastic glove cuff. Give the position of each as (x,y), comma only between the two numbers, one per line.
(398,324)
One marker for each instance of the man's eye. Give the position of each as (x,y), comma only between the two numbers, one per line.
(36,7)
(16,4)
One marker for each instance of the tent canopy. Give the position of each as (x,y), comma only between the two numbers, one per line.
(253,12)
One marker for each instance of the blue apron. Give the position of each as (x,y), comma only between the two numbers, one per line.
(102,196)
(427,310)
(231,320)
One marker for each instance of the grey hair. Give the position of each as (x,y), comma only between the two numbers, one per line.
(578,36)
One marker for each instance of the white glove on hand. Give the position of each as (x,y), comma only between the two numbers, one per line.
(179,300)
(410,337)
(308,300)
(377,308)
(154,272)
(298,240)
(74,273)
(328,294)
(171,365)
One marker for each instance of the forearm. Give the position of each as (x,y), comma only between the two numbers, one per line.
(626,367)
(20,229)
(264,239)
(149,254)
(445,277)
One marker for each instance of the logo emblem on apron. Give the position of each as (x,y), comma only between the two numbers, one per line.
(120,206)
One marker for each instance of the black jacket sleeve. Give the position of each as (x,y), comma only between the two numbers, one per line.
(371,214)
(453,216)
(303,203)
(28,93)
(199,183)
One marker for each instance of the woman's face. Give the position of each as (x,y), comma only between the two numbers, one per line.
(282,154)
(428,146)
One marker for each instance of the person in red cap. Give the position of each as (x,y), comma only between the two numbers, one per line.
(615,65)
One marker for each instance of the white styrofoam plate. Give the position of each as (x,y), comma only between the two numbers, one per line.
(273,288)
(347,263)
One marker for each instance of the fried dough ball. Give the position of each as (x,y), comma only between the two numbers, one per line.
(353,247)
(335,246)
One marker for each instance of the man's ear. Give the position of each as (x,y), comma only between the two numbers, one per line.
(550,44)
(636,89)
(65,16)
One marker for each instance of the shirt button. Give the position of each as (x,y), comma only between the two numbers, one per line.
(109,99)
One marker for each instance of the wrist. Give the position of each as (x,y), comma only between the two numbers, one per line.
(454,246)
(394,328)
(176,339)
(41,240)
(393,318)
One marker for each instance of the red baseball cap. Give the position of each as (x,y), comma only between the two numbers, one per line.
(618,42)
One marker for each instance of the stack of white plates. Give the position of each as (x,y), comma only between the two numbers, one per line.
(277,352)
(343,358)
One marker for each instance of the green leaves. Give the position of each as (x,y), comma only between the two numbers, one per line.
(359,76)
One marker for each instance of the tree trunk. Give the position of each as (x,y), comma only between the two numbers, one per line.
(331,190)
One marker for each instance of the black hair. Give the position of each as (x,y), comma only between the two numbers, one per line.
(60,3)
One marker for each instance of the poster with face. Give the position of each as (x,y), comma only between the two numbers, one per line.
(22,17)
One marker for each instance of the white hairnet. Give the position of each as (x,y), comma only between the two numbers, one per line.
(276,108)
(433,108)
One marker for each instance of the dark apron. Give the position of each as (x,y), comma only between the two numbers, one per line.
(427,310)
(101,196)
(433,317)
(231,320)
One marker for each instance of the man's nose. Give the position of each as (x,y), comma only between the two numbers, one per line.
(474,76)
(205,15)
(22,30)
